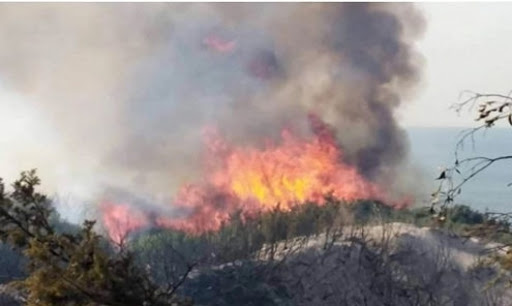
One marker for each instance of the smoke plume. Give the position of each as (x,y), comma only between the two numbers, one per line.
(128,88)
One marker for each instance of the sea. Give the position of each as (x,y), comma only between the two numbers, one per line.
(432,149)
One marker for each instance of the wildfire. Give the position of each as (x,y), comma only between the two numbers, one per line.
(292,171)
(219,44)
(120,220)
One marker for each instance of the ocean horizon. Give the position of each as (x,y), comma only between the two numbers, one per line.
(432,148)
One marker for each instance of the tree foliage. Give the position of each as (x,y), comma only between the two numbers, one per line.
(491,110)
(70,269)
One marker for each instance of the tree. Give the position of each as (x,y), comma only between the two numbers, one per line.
(492,109)
(71,269)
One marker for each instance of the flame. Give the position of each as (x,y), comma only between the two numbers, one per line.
(219,44)
(120,220)
(282,174)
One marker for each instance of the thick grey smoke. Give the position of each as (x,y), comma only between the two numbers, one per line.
(129,87)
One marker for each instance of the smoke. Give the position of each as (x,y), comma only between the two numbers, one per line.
(128,88)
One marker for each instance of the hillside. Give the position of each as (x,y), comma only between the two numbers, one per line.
(391,264)
(338,253)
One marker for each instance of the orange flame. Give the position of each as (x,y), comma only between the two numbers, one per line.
(120,220)
(219,44)
(284,174)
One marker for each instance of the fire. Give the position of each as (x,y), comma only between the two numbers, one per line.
(289,173)
(282,174)
(292,172)
(219,44)
(121,220)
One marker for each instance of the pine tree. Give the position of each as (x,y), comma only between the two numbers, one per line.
(70,269)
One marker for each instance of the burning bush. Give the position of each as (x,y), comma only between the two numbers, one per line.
(254,180)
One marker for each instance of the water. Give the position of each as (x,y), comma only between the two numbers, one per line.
(432,148)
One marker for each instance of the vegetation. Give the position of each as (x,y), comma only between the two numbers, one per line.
(70,269)
(238,240)
(491,109)
(260,261)
(249,261)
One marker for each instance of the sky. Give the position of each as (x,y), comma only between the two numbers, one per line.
(466,46)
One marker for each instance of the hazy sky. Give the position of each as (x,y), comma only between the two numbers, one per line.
(467,46)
